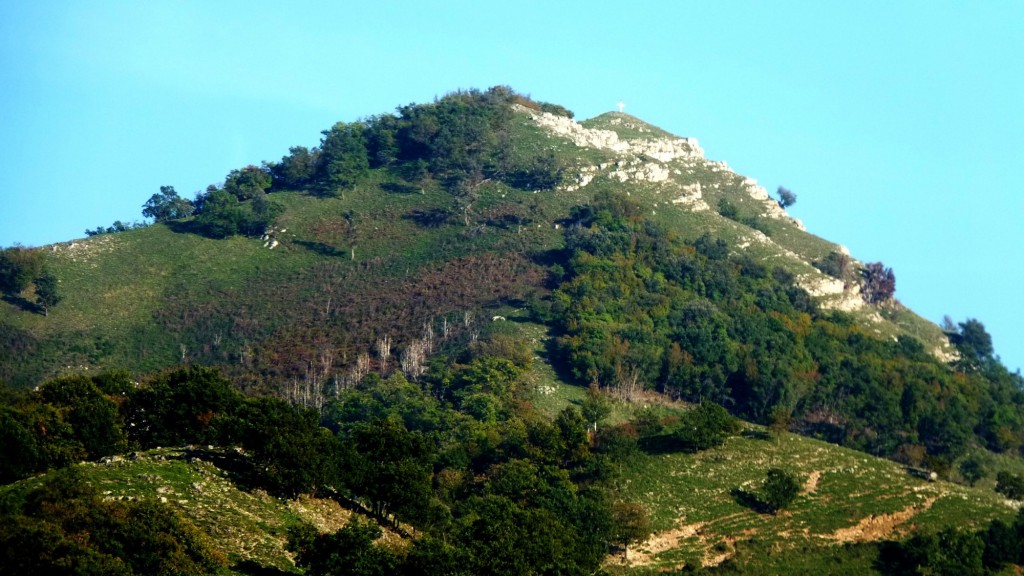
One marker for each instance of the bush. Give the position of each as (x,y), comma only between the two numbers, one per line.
(706,426)
(780,489)
(1010,485)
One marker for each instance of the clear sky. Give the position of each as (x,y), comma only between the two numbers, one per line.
(898,124)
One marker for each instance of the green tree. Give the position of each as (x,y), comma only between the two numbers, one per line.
(974,344)
(786,197)
(19,266)
(296,169)
(632,524)
(166,205)
(596,406)
(705,426)
(780,489)
(19,450)
(293,452)
(47,293)
(93,417)
(64,526)
(393,469)
(186,406)
(1010,485)
(350,551)
(343,158)
(247,183)
(972,470)
(779,421)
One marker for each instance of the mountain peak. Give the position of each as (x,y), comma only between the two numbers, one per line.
(627,126)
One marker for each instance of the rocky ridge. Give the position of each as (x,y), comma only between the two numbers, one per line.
(671,163)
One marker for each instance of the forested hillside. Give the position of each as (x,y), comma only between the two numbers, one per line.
(479,326)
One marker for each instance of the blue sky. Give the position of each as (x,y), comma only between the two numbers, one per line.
(898,125)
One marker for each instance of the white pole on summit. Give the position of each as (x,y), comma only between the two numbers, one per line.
(622,106)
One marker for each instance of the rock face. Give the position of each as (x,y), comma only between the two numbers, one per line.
(661,149)
(649,159)
(677,172)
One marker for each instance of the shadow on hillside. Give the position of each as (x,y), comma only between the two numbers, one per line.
(661,444)
(253,568)
(238,468)
(832,433)
(433,218)
(749,500)
(23,303)
(549,353)
(322,248)
(547,259)
(756,434)
(184,227)
(397,188)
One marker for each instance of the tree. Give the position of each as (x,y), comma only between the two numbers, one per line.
(786,197)
(728,209)
(1010,485)
(779,420)
(296,169)
(19,266)
(705,426)
(879,283)
(394,467)
(47,293)
(344,160)
(167,205)
(780,489)
(93,417)
(631,524)
(972,470)
(596,406)
(974,343)
(247,183)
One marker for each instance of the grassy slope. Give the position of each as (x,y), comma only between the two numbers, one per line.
(247,526)
(849,497)
(216,298)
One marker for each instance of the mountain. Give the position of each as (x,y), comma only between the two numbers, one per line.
(451,277)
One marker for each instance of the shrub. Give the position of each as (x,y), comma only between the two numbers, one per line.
(780,489)
(1010,485)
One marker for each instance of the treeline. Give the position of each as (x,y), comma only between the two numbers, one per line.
(489,486)
(457,142)
(957,552)
(638,309)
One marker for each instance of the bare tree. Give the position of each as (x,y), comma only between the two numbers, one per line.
(413,358)
(428,337)
(384,352)
(359,370)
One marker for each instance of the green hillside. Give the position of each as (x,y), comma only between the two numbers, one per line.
(474,316)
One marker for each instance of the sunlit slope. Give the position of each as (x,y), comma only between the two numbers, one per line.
(153,297)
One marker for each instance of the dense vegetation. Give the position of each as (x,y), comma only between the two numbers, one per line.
(490,486)
(460,141)
(641,310)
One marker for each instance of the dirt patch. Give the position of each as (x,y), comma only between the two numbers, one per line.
(811,486)
(643,554)
(720,553)
(875,528)
(327,515)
